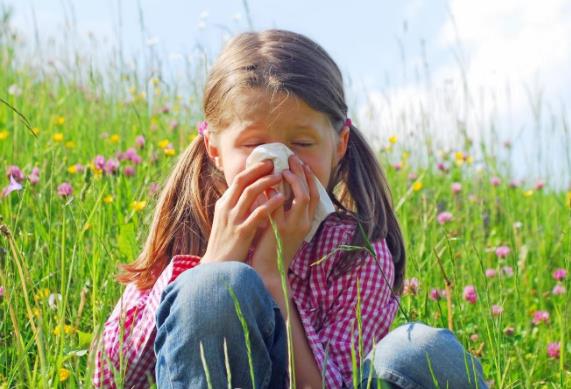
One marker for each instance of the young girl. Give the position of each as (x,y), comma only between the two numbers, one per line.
(210,235)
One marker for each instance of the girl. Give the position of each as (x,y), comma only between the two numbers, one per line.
(210,235)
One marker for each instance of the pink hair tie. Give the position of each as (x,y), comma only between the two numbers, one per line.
(348,123)
(202,126)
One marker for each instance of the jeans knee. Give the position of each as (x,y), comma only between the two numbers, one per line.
(203,294)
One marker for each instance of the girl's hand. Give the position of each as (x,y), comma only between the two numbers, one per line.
(236,217)
(293,225)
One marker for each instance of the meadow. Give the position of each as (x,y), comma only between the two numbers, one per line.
(83,156)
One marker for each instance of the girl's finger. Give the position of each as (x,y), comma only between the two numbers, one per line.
(297,168)
(245,178)
(252,192)
(300,196)
(264,210)
(313,192)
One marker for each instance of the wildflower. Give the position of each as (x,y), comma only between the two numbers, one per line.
(111,166)
(72,169)
(456,187)
(129,171)
(138,205)
(517,225)
(164,143)
(514,183)
(442,167)
(34,177)
(559,274)
(405,155)
(140,141)
(417,186)
(35,131)
(15,172)
(509,331)
(59,120)
(397,166)
(528,193)
(64,189)
(13,186)
(53,300)
(115,138)
(1,291)
(108,199)
(502,251)
(170,151)
(154,187)
(495,181)
(558,290)
(411,286)
(69,145)
(57,137)
(131,155)
(14,90)
(459,156)
(540,317)
(444,217)
(539,185)
(470,294)
(491,273)
(99,162)
(474,337)
(4,134)
(553,350)
(569,199)
(393,139)
(64,374)
(173,124)
(436,294)
(412,176)
(508,271)
(497,310)
(43,293)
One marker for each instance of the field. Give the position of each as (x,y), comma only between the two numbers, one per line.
(87,154)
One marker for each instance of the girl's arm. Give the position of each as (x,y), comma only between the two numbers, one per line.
(307,375)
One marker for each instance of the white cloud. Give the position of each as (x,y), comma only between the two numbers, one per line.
(509,51)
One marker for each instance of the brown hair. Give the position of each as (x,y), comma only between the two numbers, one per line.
(280,61)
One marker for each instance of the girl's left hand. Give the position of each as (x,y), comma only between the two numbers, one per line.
(293,225)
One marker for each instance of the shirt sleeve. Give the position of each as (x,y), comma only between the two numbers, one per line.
(125,348)
(339,333)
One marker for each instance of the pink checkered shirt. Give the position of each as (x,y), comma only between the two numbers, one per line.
(125,348)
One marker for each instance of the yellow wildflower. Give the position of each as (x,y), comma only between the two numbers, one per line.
(115,138)
(58,137)
(86,226)
(459,156)
(528,193)
(138,205)
(36,311)
(164,143)
(67,329)
(69,144)
(569,199)
(169,152)
(43,293)
(405,155)
(64,374)
(36,130)
(393,139)
(469,159)
(4,134)
(417,186)
(72,169)
(108,199)
(59,120)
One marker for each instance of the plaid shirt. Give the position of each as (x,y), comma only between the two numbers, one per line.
(327,310)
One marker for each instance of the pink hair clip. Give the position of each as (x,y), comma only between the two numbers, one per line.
(202,126)
(347,123)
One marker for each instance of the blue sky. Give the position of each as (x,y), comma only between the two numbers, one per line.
(405,59)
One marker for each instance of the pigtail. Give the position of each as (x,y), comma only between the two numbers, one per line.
(183,216)
(364,193)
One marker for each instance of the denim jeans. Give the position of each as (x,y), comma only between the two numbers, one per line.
(197,311)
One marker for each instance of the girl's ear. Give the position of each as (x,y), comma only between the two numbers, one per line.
(212,150)
(342,143)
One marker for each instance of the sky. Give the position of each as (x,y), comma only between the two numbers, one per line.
(501,64)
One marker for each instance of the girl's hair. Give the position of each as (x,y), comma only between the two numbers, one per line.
(290,63)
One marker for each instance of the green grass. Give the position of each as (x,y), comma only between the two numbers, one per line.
(69,247)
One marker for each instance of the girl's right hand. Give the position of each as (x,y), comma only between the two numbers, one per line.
(236,216)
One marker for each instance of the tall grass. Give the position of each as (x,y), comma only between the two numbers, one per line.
(58,254)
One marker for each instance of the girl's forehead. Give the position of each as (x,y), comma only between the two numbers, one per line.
(258,107)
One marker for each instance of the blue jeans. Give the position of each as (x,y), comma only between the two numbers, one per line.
(197,310)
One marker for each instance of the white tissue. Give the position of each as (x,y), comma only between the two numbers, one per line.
(279,154)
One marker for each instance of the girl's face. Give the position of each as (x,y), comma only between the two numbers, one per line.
(256,120)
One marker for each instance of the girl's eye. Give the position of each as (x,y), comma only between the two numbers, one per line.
(301,144)
(253,145)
